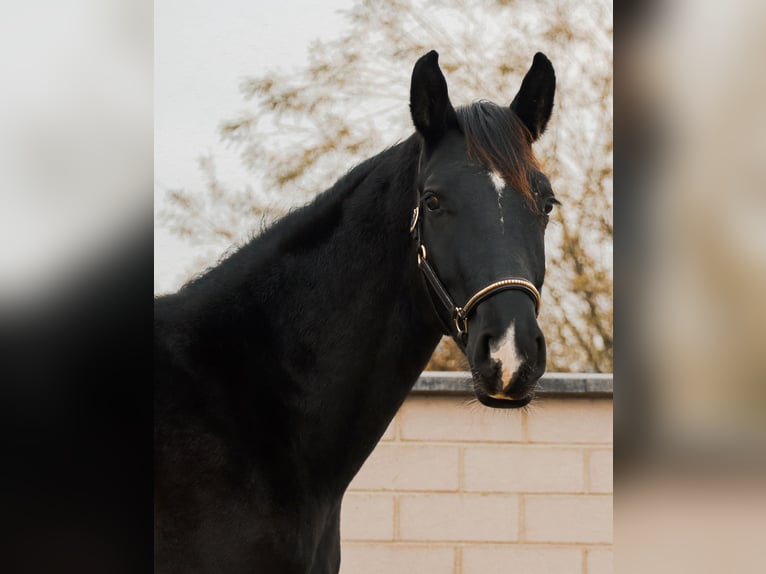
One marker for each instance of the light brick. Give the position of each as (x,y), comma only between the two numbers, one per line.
(601,471)
(523,469)
(501,560)
(367,517)
(568,518)
(449,418)
(600,562)
(395,466)
(359,558)
(460,517)
(571,421)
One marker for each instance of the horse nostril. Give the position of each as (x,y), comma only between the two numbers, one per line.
(481,353)
(484,345)
(532,347)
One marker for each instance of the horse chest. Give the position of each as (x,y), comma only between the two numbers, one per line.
(233,533)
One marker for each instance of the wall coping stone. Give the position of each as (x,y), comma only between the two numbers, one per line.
(568,385)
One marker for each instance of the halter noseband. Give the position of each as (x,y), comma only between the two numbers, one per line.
(460,314)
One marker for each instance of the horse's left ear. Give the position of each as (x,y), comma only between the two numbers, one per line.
(534,102)
(432,112)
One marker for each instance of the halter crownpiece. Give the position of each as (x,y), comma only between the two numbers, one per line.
(460,314)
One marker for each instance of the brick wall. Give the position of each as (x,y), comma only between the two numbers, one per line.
(456,488)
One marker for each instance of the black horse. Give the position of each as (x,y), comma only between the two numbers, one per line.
(278,370)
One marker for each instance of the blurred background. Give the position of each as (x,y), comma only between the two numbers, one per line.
(690,406)
(693,103)
(76,158)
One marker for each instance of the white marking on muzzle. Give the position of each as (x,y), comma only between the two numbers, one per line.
(504,350)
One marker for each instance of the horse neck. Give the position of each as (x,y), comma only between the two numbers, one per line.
(371,321)
(324,338)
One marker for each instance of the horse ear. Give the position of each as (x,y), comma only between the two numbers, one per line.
(432,112)
(534,102)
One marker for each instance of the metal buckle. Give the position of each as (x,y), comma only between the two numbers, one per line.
(421,253)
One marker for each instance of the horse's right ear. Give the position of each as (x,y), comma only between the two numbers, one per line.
(432,112)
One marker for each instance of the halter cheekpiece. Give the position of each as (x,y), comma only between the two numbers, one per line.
(458,314)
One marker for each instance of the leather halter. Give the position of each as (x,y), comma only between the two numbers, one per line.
(458,314)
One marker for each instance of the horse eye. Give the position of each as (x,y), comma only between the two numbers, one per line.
(548,207)
(431,201)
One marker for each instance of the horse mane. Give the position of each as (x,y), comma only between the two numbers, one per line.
(306,226)
(497,138)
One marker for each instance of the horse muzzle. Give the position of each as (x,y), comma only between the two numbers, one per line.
(507,358)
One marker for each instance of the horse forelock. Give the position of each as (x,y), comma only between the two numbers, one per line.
(497,138)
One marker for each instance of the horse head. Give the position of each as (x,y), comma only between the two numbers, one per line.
(482,209)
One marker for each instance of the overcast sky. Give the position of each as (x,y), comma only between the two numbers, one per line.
(203,49)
